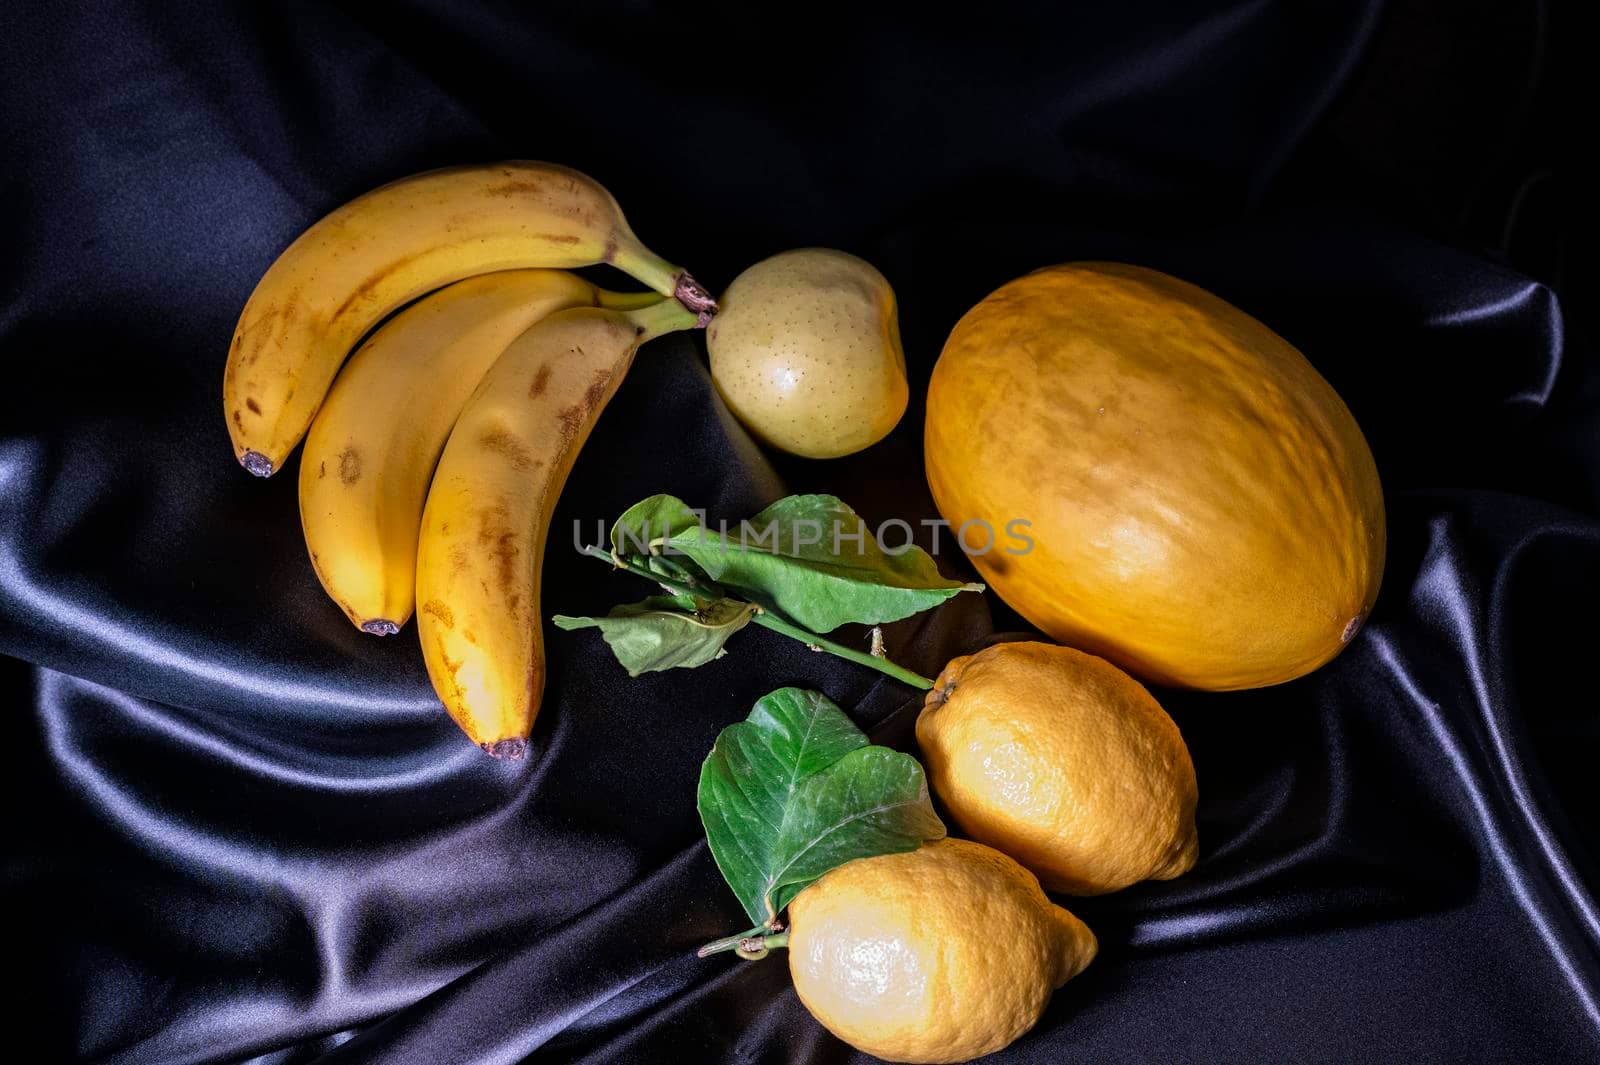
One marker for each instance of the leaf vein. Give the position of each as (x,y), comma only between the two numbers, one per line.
(776,877)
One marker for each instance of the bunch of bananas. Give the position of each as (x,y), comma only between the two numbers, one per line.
(433,462)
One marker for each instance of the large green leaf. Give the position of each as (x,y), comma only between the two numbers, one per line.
(795,790)
(666,631)
(812,559)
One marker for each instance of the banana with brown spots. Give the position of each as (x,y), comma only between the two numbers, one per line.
(361,262)
(483,529)
(372,449)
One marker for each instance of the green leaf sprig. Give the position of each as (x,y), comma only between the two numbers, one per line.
(667,631)
(795,790)
(803,566)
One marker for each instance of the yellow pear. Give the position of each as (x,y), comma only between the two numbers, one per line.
(806,353)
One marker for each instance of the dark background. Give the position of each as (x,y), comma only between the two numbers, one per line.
(237,829)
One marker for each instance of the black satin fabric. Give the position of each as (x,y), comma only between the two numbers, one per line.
(239,830)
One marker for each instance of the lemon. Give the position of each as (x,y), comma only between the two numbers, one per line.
(1064,762)
(940,954)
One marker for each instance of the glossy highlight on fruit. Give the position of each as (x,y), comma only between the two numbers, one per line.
(1204,510)
(941,954)
(805,350)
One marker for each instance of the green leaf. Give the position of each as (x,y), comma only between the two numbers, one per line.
(795,790)
(666,631)
(651,520)
(812,559)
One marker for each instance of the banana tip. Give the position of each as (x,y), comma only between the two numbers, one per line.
(380,627)
(512,749)
(256,463)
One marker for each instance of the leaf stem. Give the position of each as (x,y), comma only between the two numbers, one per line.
(671,585)
(751,946)
(768,621)
(882,665)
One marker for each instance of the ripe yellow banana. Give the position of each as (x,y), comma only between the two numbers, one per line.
(483,530)
(355,266)
(372,449)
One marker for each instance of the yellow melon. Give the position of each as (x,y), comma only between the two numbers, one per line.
(1200,506)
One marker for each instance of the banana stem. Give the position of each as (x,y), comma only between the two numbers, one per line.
(634,258)
(627,301)
(776,624)
(658,319)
